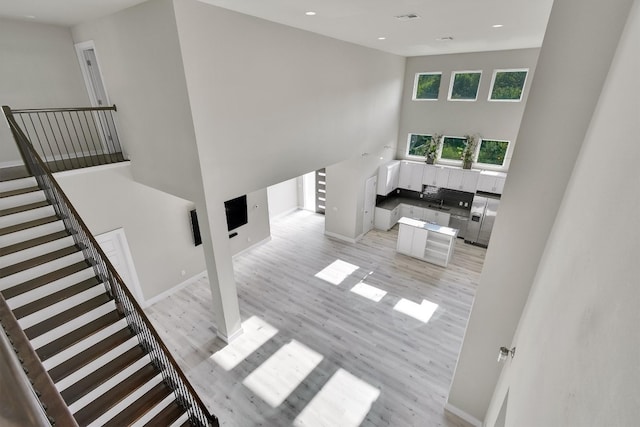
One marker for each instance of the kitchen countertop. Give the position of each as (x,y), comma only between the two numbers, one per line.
(391,203)
(452,232)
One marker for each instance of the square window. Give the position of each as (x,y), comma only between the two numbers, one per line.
(507,85)
(452,148)
(427,86)
(464,85)
(417,145)
(492,152)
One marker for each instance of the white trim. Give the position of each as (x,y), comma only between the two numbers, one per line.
(81,47)
(453,79)
(176,288)
(229,339)
(343,238)
(11,164)
(261,242)
(463,415)
(119,236)
(415,86)
(412,156)
(509,70)
(96,168)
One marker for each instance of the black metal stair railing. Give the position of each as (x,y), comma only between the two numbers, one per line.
(126,303)
(72,138)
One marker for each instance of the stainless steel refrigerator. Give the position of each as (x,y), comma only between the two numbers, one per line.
(481,219)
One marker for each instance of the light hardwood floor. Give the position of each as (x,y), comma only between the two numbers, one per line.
(403,365)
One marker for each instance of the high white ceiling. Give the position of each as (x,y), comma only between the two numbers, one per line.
(469,22)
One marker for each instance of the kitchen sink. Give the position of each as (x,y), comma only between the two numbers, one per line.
(442,208)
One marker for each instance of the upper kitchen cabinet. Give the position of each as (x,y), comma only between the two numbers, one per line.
(411,175)
(388,175)
(463,180)
(491,182)
(436,176)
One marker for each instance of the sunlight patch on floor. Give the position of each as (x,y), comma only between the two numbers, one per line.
(280,374)
(368,291)
(345,400)
(256,332)
(336,272)
(421,312)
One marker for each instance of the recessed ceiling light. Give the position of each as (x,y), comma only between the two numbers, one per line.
(382,38)
(310,13)
(444,39)
(497,26)
(30,16)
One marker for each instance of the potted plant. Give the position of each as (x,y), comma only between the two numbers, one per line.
(432,148)
(469,151)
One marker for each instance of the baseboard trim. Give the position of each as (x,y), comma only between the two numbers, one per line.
(463,415)
(149,302)
(229,339)
(343,238)
(255,245)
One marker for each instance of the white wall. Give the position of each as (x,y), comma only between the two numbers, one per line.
(283,197)
(157,224)
(493,120)
(561,103)
(38,69)
(577,343)
(140,60)
(271,102)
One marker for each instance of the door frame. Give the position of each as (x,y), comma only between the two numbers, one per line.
(80,48)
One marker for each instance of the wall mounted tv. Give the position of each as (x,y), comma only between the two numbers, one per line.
(236,210)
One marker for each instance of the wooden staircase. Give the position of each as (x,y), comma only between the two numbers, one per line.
(74,325)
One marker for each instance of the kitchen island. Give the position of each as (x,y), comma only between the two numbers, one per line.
(429,242)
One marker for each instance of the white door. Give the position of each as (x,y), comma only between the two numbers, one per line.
(369,204)
(115,246)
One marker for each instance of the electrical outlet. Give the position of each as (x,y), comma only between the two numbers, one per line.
(460,203)
(466,204)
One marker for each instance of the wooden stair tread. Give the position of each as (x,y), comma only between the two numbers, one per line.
(34,242)
(167,416)
(45,279)
(39,260)
(140,407)
(55,297)
(24,208)
(65,316)
(101,375)
(29,224)
(19,191)
(102,404)
(71,365)
(66,341)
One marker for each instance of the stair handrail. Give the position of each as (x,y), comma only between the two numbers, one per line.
(127,304)
(43,401)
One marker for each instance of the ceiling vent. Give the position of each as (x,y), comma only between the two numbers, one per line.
(407,17)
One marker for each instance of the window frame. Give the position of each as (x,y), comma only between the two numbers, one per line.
(453,80)
(414,96)
(491,165)
(413,156)
(450,162)
(507,70)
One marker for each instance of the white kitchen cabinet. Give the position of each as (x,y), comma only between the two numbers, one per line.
(385,219)
(463,180)
(411,175)
(436,217)
(388,176)
(425,241)
(491,182)
(437,176)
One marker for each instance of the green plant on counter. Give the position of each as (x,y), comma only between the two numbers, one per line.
(469,150)
(432,148)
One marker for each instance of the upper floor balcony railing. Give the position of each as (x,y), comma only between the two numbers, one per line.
(71,138)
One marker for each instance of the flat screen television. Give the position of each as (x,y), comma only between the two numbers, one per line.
(236,210)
